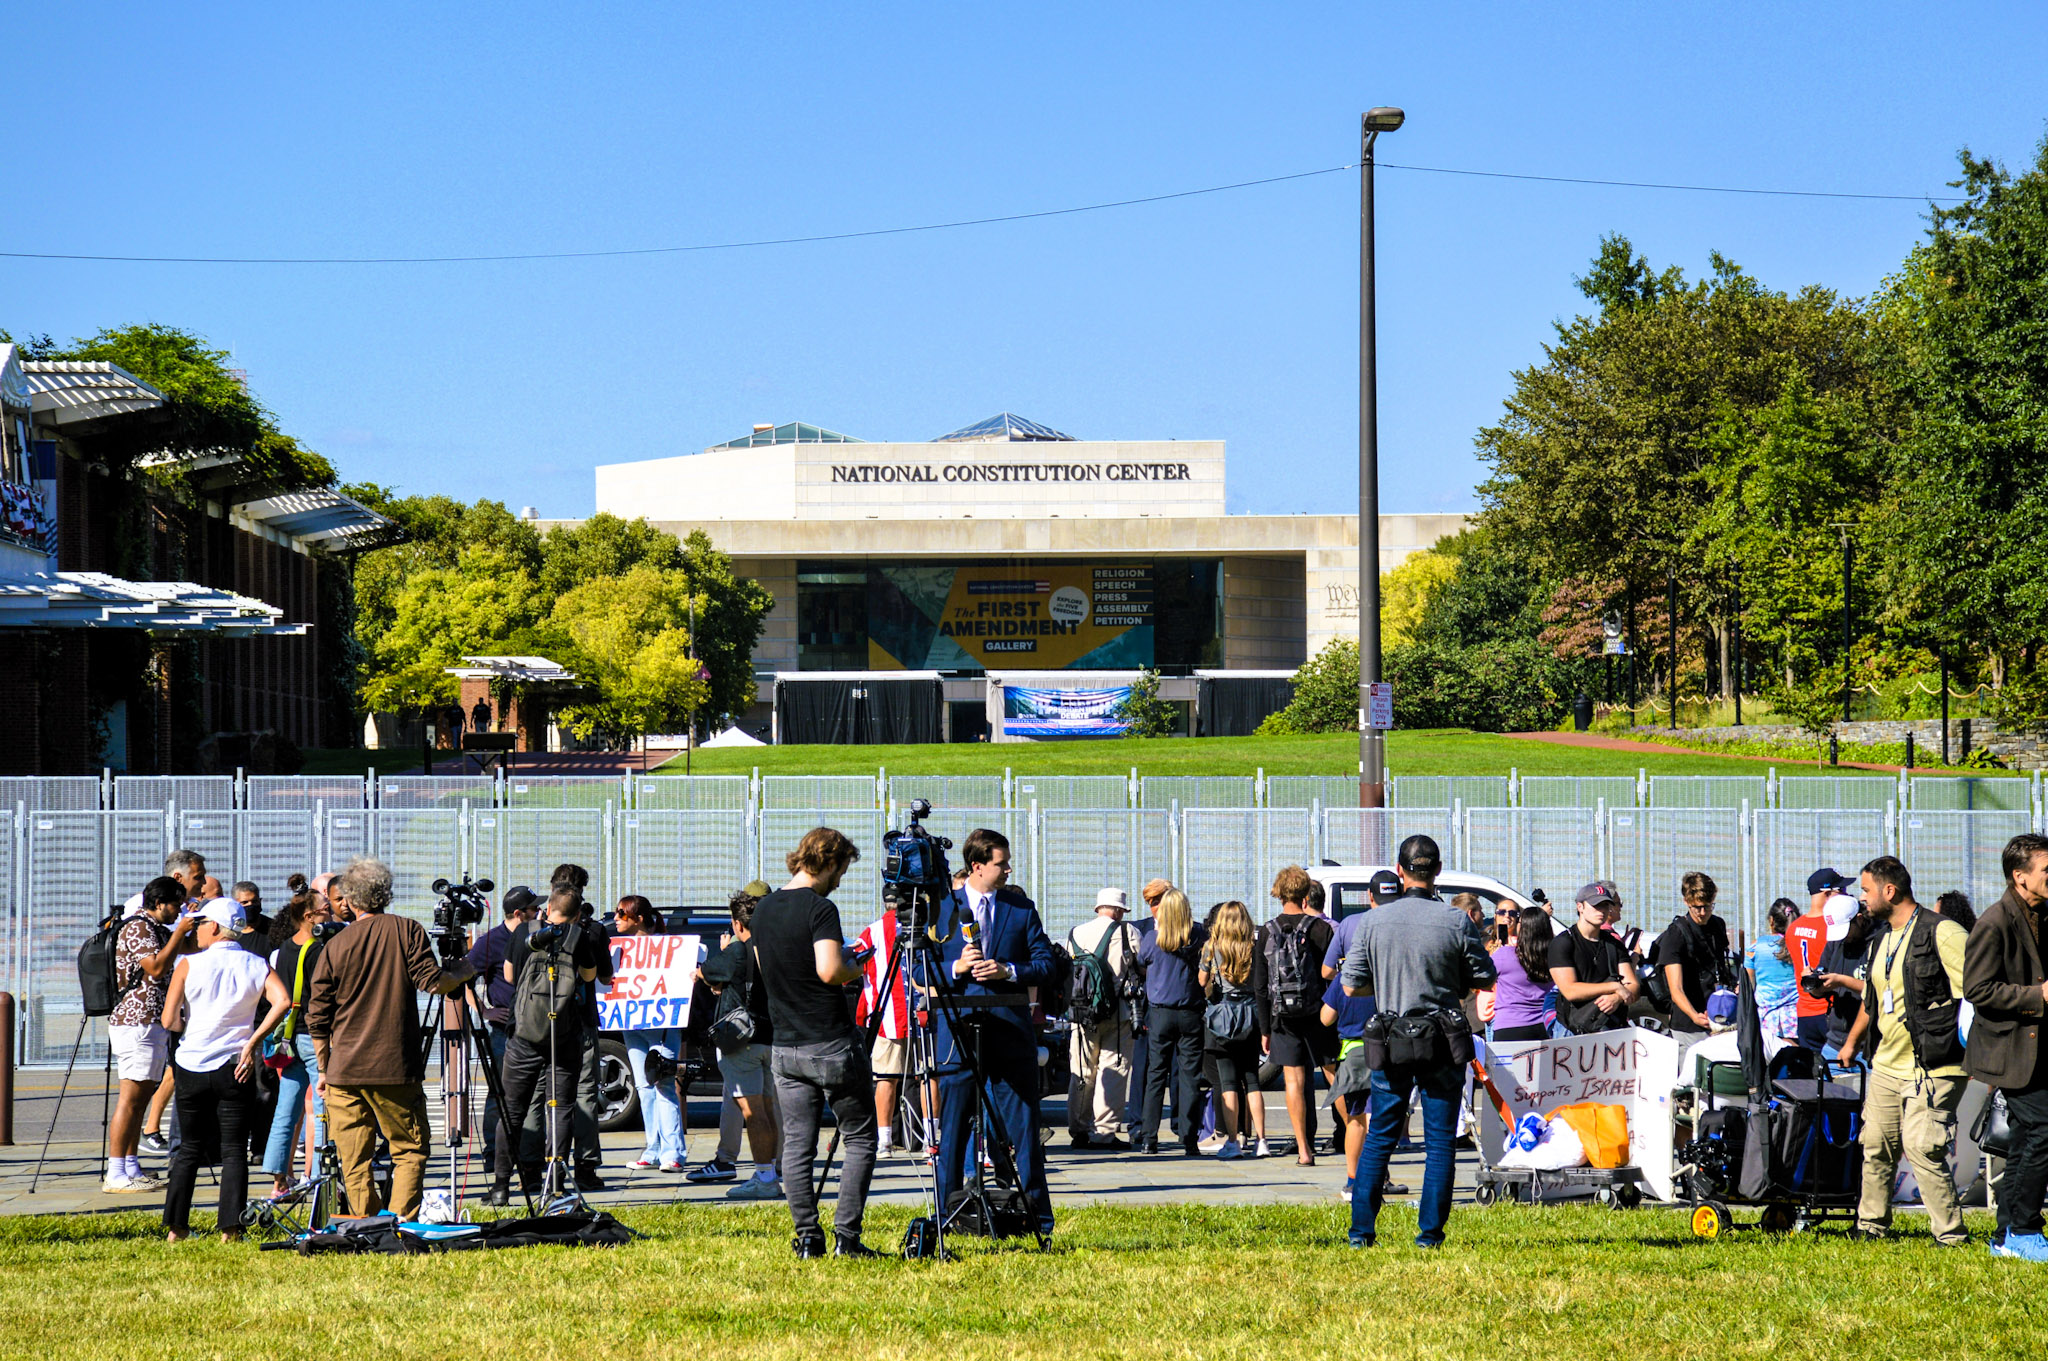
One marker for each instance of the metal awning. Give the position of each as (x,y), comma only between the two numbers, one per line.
(73,391)
(324,518)
(521,670)
(83,600)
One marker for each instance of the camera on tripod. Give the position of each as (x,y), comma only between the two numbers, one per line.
(462,906)
(913,857)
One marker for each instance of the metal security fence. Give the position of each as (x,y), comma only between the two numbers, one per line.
(1311,791)
(1197,791)
(1970,794)
(525,845)
(693,793)
(436,791)
(687,857)
(1079,852)
(69,793)
(1948,850)
(1554,849)
(306,792)
(1370,836)
(1787,844)
(1071,791)
(818,791)
(562,791)
(1709,791)
(1443,791)
(1837,791)
(951,791)
(1577,791)
(1649,850)
(1235,852)
(182,791)
(69,860)
(860,894)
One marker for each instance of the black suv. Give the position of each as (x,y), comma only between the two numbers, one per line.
(618,1100)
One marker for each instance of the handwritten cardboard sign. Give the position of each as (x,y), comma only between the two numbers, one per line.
(1634,1069)
(651,981)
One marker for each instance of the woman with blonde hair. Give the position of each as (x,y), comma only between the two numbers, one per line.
(1227,976)
(1170,947)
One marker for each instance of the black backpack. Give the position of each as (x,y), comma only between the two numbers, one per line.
(1059,995)
(100,990)
(539,1002)
(1294,977)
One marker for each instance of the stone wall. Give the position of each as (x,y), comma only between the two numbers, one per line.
(2018,750)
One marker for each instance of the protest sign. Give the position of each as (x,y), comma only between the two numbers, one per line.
(651,981)
(1634,1069)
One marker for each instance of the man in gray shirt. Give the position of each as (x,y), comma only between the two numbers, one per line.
(1417,956)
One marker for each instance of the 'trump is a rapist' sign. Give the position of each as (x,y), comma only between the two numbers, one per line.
(651,981)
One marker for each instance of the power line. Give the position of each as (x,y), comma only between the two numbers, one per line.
(927,226)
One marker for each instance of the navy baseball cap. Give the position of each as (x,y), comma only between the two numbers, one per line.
(1827,880)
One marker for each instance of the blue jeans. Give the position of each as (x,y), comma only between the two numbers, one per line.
(1440,1088)
(660,1111)
(302,1073)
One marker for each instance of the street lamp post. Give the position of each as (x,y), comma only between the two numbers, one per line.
(1372,742)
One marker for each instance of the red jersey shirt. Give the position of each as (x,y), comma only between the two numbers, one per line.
(1805,938)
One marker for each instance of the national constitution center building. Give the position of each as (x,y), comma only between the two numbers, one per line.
(1008,549)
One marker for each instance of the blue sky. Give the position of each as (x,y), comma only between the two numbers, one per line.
(404,129)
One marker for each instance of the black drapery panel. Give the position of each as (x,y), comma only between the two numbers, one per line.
(1233,706)
(900,711)
(844,711)
(819,711)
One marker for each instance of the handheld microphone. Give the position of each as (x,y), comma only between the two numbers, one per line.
(970,933)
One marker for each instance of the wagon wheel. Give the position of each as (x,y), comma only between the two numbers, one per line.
(1629,1196)
(1711,1221)
(1778,1219)
(1484,1193)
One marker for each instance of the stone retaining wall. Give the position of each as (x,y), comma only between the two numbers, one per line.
(2018,750)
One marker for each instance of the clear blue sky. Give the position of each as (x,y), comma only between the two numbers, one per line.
(443,129)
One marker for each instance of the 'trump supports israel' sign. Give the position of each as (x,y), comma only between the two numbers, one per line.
(651,981)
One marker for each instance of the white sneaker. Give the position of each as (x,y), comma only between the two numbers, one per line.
(1229,1150)
(1262,1150)
(884,1152)
(131,1186)
(757,1188)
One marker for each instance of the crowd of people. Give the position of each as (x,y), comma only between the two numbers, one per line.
(232,1027)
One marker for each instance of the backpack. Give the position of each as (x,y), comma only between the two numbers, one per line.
(99,989)
(539,1002)
(1092,991)
(1294,977)
(1056,997)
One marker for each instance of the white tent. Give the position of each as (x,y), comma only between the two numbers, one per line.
(732,737)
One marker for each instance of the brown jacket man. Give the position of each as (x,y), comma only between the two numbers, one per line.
(2002,977)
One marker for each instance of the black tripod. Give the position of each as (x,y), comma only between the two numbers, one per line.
(106,1090)
(468,1037)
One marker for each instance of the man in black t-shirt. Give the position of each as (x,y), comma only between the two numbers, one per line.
(1692,952)
(543,1057)
(1590,968)
(1290,1011)
(817,1057)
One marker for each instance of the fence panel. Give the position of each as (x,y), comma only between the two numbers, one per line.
(1235,852)
(67,863)
(343,836)
(564,791)
(307,792)
(790,792)
(1577,791)
(1554,849)
(419,845)
(140,845)
(1370,836)
(211,832)
(1071,791)
(1307,791)
(1837,791)
(1197,791)
(274,844)
(686,858)
(1790,843)
(524,845)
(1443,791)
(66,793)
(1649,850)
(189,791)
(692,793)
(1971,793)
(1947,850)
(948,791)
(859,895)
(445,792)
(1080,851)
(1708,791)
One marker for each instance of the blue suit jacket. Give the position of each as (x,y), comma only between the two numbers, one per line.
(1016,937)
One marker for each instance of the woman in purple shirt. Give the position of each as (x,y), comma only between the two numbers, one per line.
(1524,983)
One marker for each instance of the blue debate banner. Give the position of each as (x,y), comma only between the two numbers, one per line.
(1045,713)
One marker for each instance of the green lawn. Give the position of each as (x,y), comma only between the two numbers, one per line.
(1451,751)
(1179,1281)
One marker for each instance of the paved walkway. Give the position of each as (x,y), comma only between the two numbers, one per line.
(70,1181)
(1599,742)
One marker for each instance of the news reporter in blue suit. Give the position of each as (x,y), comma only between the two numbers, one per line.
(1009,952)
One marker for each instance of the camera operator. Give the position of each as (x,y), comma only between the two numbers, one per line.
(2003,978)
(1009,952)
(589,1149)
(1417,958)
(548,1028)
(1909,1034)
(817,1056)
(487,957)
(367,1043)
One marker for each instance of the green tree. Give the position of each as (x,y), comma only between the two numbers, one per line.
(630,641)
(1144,713)
(604,546)
(1407,591)
(1325,693)
(487,603)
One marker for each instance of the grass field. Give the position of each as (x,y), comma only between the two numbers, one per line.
(1552,1284)
(1450,751)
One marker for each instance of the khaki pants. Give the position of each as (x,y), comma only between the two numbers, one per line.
(1100,1079)
(1916,1117)
(354,1116)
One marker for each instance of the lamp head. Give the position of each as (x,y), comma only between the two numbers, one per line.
(1384,120)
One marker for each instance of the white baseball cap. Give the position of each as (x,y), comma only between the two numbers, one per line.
(225,913)
(1840,910)
(1112,897)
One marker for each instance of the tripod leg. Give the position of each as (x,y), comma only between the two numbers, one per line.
(83,1022)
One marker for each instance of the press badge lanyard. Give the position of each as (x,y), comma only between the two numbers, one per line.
(1891,994)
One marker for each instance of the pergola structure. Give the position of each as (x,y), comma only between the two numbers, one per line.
(536,685)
